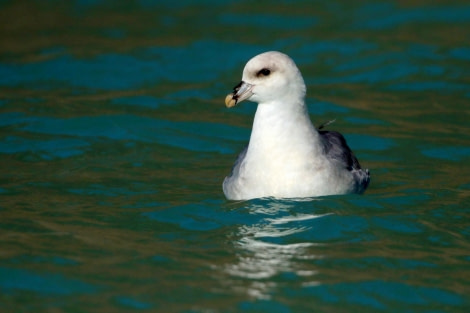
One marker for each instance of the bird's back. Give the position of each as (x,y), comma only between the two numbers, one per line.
(338,151)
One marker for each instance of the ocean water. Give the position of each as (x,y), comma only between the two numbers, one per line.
(114,142)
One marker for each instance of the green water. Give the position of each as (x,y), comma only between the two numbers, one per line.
(114,142)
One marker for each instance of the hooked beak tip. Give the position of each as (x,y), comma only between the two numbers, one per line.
(230,100)
(240,92)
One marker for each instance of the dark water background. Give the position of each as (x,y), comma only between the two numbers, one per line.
(114,141)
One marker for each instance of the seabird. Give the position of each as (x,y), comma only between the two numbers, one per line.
(287,157)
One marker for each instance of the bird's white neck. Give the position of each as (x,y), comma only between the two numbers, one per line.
(282,131)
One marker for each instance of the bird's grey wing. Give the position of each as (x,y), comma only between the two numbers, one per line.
(229,186)
(338,151)
(238,162)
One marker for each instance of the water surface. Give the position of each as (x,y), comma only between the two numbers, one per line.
(114,142)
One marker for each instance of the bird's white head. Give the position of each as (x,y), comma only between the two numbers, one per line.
(267,77)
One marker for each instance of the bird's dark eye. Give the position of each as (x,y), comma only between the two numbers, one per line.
(263,72)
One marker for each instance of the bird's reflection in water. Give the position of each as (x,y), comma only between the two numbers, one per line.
(272,249)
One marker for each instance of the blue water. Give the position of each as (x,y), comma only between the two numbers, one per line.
(114,142)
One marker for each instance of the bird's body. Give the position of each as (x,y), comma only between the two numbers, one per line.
(287,157)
